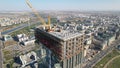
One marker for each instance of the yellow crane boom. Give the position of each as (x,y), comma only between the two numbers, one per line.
(37,14)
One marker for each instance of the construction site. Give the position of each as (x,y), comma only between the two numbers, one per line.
(63,43)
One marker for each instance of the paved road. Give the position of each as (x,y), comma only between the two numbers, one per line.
(14,29)
(1,56)
(101,55)
(17,28)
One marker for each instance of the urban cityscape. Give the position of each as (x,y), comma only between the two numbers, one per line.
(63,37)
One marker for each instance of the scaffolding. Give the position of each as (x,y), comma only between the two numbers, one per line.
(64,49)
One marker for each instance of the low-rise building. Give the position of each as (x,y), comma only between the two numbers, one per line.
(28,42)
(29,58)
(7,38)
(22,37)
(6,21)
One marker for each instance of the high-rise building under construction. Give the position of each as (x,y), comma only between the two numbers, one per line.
(64,42)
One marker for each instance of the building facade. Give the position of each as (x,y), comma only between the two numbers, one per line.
(66,49)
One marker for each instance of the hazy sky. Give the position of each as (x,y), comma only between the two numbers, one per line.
(61,5)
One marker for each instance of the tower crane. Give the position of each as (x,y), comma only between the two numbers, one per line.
(45,25)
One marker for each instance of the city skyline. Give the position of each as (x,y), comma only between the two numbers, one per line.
(97,5)
(59,34)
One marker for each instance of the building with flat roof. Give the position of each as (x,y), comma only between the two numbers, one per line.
(65,44)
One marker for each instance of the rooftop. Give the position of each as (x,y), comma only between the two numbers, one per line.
(65,32)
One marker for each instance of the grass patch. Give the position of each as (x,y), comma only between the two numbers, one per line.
(6,52)
(115,63)
(8,43)
(10,26)
(7,55)
(102,63)
(25,30)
